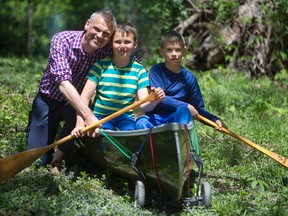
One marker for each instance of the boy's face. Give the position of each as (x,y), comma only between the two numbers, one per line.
(123,44)
(172,52)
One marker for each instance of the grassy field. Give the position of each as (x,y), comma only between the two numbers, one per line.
(244,181)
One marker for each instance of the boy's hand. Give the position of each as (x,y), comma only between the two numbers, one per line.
(220,125)
(160,94)
(95,132)
(193,112)
(77,132)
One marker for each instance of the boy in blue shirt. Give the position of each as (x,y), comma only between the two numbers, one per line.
(183,98)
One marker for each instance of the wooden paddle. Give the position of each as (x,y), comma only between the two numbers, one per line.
(13,164)
(280,159)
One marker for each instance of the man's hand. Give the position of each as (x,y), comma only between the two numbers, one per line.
(80,124)
(77,131)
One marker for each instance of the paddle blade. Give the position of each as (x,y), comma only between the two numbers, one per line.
(278,158)
(13,164)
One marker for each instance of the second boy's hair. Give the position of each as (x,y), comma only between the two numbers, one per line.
(172,37)
(127,28)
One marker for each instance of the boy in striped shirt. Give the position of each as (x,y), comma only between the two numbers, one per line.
(117,80)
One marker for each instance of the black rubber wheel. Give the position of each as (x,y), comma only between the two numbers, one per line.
(206,194)
(139,200)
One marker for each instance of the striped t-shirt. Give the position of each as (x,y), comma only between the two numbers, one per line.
(116,87)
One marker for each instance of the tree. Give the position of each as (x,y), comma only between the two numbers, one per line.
(250,35)
(27,30)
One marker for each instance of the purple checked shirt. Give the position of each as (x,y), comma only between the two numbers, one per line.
(68,61)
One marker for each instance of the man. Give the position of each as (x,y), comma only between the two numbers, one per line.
(71,55)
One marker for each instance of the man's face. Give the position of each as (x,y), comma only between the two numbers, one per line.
(98,33)
(172,52)
(123,44)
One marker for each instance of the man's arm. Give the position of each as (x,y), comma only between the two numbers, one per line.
(73,97)
(85,115)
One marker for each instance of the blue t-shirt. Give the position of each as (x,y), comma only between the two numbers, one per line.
(180,89)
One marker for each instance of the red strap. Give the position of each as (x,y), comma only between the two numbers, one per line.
(188,157)
(154,162)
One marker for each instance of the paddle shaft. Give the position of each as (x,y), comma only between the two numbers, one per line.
(15,163)
(150,97)
(278,158)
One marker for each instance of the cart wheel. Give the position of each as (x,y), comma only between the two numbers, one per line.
(139,194)
(206,194)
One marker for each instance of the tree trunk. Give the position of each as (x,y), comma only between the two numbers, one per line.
(30,37)
(244,35)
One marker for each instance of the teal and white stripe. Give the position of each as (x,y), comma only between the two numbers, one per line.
(116,87)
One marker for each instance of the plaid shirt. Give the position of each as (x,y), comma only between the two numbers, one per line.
(68,61)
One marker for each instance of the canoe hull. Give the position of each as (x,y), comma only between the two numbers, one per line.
(163,155)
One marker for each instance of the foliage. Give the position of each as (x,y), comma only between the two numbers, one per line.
(253,109)
(49,17)
(259,49)
(244,181)
(13,18)
(66,195)
(14,31)
(19,80)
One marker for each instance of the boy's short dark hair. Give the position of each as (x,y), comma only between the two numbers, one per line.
(127,28)
(172,37)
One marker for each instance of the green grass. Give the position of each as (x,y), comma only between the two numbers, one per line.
(244,181)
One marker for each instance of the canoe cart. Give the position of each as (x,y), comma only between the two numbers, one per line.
(163,157)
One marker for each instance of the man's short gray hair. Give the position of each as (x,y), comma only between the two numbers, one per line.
(107,15)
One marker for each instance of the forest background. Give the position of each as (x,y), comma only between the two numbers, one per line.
(249,35)
(237,50)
